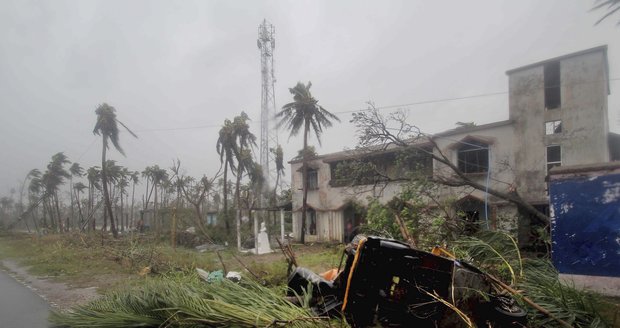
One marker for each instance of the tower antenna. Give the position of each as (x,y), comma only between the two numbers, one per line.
(268,129)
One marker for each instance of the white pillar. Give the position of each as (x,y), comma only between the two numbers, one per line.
(282,224)
(256,233)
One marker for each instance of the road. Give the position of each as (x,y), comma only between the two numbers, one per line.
(20,306)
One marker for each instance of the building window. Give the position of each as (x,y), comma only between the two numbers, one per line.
(552,85)
(554,156)
(553,127)
(313,179)
(311,221)
(473,157)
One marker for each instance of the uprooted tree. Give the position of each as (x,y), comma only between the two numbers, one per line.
(392,132)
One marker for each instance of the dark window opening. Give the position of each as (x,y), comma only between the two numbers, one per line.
(313,179)
(552,85)
(534,234)
(472,214)
(553,127)
(473,157)
(311,221)
(381,167)
(554,156)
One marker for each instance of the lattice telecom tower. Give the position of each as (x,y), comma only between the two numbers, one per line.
(268,130)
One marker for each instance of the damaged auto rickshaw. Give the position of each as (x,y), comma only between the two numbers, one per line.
(388,283)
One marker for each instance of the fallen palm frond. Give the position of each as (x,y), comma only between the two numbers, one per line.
(536,279)
(188,301)
(562,300)
(496,251)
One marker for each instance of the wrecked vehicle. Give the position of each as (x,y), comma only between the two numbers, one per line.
(386,282)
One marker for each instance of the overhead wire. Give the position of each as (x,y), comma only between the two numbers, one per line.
(416,103)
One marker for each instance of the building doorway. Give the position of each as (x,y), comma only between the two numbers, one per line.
(354,217)
(472,213)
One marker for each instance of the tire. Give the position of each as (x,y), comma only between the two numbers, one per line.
(505,312)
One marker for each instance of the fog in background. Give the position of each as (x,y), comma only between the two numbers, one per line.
(174,70)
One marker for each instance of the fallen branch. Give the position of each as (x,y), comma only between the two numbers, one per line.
(528,301)
(245,267)
(221,261)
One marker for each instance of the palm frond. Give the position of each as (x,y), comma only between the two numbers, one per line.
(180,301)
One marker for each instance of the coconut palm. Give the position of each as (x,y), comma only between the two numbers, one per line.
(76,171)
(79,188)
(225,147)
(156,176)
(93,175)
(244,141)
(134,180)
(106,126)
(52,179)
(305,112)
(279,161)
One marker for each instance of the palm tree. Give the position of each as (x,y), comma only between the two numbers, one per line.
(78,189)
(52,179)
(106,126)
(244,140)
(93,175)
(156,176)
(76,171)
(122,185)
(305,112)
(134,180)
(279,160)
(226,149)
(613,6)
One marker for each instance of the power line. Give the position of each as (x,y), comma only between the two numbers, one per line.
(423,102)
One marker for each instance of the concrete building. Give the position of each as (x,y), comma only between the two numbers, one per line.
(557,116)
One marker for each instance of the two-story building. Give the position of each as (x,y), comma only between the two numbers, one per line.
(557,116)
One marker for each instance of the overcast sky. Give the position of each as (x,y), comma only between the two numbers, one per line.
(174,70)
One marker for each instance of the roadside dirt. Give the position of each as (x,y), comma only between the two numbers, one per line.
(59,295)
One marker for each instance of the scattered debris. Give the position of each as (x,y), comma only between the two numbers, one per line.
(233,276)
(209,248)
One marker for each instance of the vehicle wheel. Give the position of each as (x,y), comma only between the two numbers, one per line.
(505,312)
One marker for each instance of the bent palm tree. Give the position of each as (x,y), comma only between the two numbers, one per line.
(305,112)
(279,160)
(226,149)
(244,141)
(107,128)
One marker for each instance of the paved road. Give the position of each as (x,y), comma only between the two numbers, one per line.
(20,306)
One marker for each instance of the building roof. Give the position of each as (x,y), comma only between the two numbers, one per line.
(602,49)
(379,149)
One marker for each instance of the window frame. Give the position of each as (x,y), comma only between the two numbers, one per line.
(552,81)
(554,125)
(552,164)
(311,217)
(470,147)
(313,179)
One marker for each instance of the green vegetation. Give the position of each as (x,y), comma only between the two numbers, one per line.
(536,278)
(186,300)
(78,259)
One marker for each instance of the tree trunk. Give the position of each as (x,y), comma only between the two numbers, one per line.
(122,216)
(304,166)
(238,198)
(106,195)
(226,218)
(133,192)
(155,222)
(80,214)
(72,204)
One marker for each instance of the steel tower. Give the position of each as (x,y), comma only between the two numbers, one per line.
(268,130)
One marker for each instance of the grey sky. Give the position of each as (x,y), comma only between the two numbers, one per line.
(187,64)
